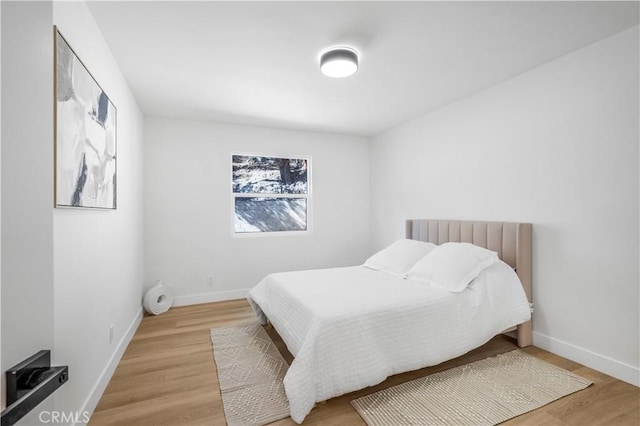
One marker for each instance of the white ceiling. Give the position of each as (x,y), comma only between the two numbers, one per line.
(257,62)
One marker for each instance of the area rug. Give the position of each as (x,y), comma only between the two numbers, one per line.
(485,392)
(250,372)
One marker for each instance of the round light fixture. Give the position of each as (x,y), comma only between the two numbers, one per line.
(339,62)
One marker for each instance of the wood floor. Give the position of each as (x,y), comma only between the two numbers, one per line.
(167,377)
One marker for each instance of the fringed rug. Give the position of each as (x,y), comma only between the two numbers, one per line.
(250,372)
(485,392)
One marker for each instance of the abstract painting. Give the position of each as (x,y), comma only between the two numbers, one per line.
(85,135)
(270,193)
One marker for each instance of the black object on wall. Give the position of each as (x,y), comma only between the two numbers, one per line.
(29,383)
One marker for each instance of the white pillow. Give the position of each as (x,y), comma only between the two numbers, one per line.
(452,266)
(399,257)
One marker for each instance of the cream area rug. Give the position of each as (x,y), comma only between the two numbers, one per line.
(485,392)
(250,372)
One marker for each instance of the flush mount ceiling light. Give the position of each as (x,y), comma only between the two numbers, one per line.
(339,62)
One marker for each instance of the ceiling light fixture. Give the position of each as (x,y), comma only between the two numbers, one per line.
(339,62)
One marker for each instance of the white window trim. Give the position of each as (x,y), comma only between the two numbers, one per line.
(308,196)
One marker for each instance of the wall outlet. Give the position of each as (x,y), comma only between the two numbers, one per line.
(111,334)
(210,280)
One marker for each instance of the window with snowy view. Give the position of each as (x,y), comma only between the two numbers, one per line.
(270,194)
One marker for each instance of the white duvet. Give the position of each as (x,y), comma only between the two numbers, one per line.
(349,328)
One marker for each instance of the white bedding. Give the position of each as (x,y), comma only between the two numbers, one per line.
(349,328)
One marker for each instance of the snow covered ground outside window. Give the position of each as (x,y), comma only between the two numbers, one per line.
(270,193)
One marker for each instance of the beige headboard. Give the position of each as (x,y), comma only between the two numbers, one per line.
(512,242)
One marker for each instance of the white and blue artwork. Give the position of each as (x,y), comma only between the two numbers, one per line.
(85,136)
(270,193)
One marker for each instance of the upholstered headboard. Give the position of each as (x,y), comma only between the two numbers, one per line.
(512,242)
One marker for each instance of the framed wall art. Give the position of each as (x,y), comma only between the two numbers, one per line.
(85,135)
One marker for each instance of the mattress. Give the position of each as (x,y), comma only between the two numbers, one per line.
(349,328)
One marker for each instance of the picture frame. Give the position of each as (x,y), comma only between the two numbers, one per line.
(85,134)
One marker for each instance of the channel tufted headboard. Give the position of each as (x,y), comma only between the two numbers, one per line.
(512,242)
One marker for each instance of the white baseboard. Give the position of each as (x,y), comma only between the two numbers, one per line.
(604,364)
(103,380)
(219,296)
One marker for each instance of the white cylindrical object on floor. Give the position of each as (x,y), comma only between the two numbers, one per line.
(158,299)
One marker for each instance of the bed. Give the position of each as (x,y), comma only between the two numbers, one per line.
(350,328)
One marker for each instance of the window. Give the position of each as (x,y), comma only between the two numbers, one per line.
(270,194)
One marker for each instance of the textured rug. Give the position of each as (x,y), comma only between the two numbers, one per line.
(485,392)
(250,372)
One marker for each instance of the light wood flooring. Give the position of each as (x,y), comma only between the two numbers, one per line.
(167,377)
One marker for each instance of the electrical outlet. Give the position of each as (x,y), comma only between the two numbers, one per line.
(111,334)
(210,280)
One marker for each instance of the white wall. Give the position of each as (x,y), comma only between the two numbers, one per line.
(27,183)
(188,207)
(3,399)
(558,147)
(98,254)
